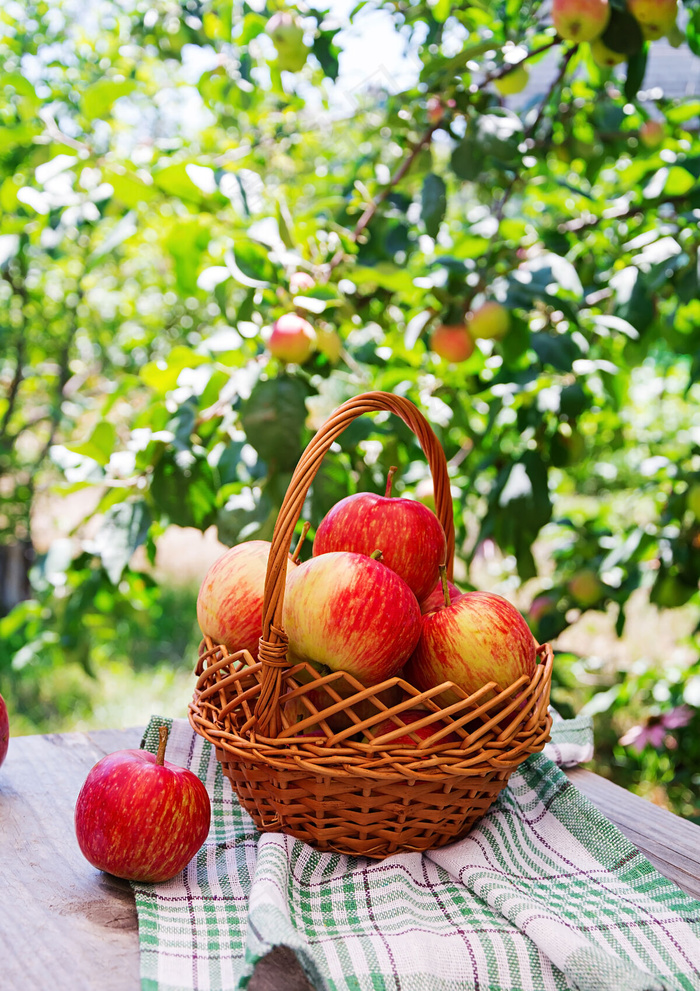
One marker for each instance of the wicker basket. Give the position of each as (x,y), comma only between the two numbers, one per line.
(310,777)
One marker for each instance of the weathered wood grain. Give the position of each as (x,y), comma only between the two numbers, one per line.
(67,926)
(63,924)
(672,844)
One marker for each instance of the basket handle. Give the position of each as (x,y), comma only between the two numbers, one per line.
(273,642)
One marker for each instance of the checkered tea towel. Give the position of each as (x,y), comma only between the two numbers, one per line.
(545,893)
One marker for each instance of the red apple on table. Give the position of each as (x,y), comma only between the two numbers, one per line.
(292,339)
(409,535)
(4,730)
(479,637)
(350,613)
(408,739)
(230,600)
(140,817)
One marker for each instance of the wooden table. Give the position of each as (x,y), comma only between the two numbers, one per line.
(62,920)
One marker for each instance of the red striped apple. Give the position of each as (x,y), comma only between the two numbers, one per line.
(408,739)
(4,730)
(479,638)
(408,534)
(230,600)
(350,613)
(140,817)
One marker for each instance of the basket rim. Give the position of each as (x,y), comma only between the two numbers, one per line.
(489,745)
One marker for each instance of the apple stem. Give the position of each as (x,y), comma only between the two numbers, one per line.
(300,541)
(162,744)
(389,479)
(376,555)
(445,589)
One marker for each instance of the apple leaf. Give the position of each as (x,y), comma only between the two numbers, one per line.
(273,418)
(124,528)
(433,203)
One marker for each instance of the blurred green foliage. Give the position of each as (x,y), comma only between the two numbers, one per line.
(163,175)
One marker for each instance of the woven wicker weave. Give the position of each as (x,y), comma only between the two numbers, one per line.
(287,737)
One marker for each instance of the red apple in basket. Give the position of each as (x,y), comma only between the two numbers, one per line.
(4,730)
(408,740)
(409,535)
(230,600)
(350,613)
(320,698)
(140,817)
(479,637)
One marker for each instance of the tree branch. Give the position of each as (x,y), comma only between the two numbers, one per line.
(423,142)
(510,66)
(585,222)
(557,81)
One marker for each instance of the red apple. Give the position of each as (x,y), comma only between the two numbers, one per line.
(140,817)
(541,606)
(292,339)
(230,600)
(350,613)
(408,740)
(652,133)
(4,730)
(586,588)
(452,342)
(479,638)
(435,109)
(300,282)
(580,20)
(436,599)
(407,533)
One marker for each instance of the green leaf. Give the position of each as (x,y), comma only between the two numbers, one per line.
(162,376)
(245,517)
(331,484)
(184,493)
(99,97)
(499,133)
(99,445)
(636,70)
(273,419)
(327,52)
(125,528)
(128,188)
(558,350)
(467,160)
(623,33)
(692,31)
(433,203)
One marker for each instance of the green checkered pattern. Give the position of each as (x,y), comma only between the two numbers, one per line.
(545,893)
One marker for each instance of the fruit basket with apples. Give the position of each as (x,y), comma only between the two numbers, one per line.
(381,710)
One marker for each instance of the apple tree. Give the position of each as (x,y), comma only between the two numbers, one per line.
(176,177)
